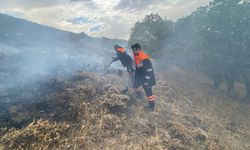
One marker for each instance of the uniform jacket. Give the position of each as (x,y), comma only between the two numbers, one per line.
(144,72)
(124,58)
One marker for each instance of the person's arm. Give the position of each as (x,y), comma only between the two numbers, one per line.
(114,59)
(148,71)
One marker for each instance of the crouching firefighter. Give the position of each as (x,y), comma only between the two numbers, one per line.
(126,62)
(144,75)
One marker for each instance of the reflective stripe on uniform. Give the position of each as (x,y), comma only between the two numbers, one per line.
(147,77)
(151,98)
(149,70)
(139,65)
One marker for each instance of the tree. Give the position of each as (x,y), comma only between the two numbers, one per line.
(151,33)
(228,22)
(215,40)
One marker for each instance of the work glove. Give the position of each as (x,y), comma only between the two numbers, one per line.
(130,70)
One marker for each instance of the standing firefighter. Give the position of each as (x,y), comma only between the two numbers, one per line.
(127,62)
(144,75)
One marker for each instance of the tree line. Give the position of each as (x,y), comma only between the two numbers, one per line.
(214,39)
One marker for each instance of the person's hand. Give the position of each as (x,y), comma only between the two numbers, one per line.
(131,70)
(107,65)
(114,58)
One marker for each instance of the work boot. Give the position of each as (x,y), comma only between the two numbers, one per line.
(124,91)
(138,95)
(151,105)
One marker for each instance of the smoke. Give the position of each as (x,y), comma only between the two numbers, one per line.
(31,54)
(32,66)
(38,64)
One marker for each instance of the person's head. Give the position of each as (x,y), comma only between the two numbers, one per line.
(116,47)
(136,48)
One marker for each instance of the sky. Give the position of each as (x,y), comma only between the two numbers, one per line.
(97,18)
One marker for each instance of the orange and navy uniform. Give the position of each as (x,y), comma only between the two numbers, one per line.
(144,74)
(124,58)
(120,49)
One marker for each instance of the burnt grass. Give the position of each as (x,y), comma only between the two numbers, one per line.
(87,111)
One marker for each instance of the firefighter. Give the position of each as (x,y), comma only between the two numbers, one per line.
(144,75)
(126,62)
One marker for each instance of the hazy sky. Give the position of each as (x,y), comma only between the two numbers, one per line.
(110,18)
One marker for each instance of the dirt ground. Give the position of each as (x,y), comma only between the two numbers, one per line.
(89,112)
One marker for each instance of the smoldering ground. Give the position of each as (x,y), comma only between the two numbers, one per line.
(35,60)
(32,53)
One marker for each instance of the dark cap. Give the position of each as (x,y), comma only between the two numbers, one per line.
(117,46)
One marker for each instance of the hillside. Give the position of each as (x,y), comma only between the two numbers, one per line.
(19,32)
(30,52)
(87,111)
(56,94)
